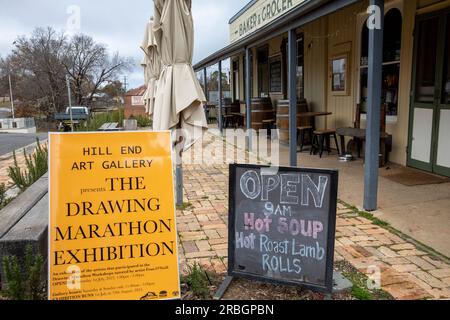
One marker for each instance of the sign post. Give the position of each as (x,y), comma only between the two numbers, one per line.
(282,224)
(112,230)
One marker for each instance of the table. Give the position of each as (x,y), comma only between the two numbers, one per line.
(360,136)
(312,114)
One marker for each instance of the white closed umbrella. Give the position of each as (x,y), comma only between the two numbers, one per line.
(179,97)
(151,64)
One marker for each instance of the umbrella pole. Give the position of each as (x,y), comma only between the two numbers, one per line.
(179,172)
(179,182)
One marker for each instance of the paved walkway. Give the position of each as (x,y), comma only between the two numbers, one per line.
(406,272)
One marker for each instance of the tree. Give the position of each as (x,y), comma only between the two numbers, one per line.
(90,67)
(40,63)
(37,71)
(113,89)
(213,81)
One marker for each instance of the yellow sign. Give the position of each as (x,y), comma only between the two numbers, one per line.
(112,232)
(258,14)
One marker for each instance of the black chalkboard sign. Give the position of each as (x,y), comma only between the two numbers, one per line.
(275,75)
(282,224)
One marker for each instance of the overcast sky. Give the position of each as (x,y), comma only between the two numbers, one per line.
(118,24)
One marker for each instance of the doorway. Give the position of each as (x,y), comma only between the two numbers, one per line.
(429,136)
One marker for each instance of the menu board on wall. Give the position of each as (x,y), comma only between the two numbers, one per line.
(275,75)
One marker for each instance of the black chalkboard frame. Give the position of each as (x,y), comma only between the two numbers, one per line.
(232,272)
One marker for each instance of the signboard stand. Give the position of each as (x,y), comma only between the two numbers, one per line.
(340,284)
(223,288)
(282,224)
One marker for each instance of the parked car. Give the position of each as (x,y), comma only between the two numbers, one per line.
(79,115)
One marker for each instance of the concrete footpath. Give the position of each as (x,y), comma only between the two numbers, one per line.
(407,271)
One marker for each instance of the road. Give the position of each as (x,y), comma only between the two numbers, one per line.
(12,141)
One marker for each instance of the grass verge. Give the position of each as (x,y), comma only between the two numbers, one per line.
(360,282)
(387,226)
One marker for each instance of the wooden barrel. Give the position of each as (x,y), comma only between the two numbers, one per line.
(261,110)
(283,118)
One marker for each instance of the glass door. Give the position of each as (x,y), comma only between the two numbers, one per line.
(442,156)
(429,145)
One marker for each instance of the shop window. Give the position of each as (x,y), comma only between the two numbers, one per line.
(226,80)
(263,72)
(201,78)
(446,85)
(236,89)
(275,69)
(300,68)
(426,66)
(391,62)
(212,84)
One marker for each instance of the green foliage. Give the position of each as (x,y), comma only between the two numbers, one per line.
(3,199)
(36,167)
(184,206)
(99,119)
(2,194)
(24,283)
(367,216)
(118,116)
(361,293)
(360,289)
(198,282)
(144,122)
(94,123)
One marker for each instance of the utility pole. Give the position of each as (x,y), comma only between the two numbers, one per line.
(70,101)
(125,84)
(11,96)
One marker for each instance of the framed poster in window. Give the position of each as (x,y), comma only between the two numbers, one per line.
(340,74)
